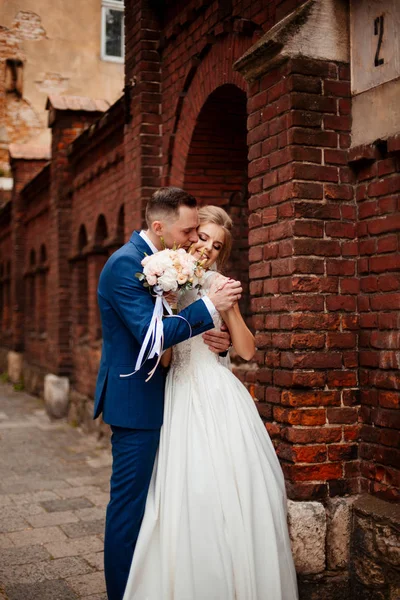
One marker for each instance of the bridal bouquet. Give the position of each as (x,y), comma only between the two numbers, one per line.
(171,270)
(163,272)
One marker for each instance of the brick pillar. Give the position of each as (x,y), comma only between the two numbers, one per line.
(303,251)
(143,101)
(66,124)
(26,162)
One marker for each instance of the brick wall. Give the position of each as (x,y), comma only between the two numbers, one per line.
(5,276)
(376,168)
(24,169)
(97,209)
(37,257)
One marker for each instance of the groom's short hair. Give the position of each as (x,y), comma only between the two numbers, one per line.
(165,203)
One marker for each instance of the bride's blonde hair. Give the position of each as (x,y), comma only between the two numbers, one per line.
(217,216)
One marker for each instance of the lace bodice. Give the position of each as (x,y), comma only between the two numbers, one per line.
(194,349)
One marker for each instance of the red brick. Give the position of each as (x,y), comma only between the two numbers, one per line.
(341,340)
(389,399)
(315,103)
(309,416)
(307,228)
(307,190)
(299,398)
(384,187)
(338,192)
(342,452)
(315,172)
(314,473)
(312,137)
(336,88)
(308,454)
(316,247)
(340,267)
(341,123)
(341,303)
(316,360)
(342,415)
(342,379)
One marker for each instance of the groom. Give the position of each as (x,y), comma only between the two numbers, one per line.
(132,407)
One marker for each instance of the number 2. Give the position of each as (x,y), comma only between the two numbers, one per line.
(378,30)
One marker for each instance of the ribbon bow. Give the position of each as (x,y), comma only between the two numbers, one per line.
(155,334)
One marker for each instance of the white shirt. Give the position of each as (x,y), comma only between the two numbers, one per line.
(209,305)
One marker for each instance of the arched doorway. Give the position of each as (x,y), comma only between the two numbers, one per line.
(216,170)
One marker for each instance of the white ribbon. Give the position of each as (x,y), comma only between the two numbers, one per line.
(155,334)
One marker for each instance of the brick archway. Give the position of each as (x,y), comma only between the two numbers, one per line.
(216,169)
(209,157)
(214,71)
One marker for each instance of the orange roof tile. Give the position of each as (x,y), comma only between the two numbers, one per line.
(76,103)
(29,151)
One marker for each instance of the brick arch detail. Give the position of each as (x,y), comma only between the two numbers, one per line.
(215,70)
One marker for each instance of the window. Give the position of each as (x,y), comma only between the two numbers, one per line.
(112,30)
(14,76)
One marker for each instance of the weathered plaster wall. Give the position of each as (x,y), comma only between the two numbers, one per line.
(59,45)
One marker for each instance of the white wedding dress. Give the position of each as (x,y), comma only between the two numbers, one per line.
(215,521)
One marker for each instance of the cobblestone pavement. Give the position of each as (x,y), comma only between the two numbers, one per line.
(54,483)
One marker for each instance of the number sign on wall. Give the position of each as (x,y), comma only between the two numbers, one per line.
(375,43)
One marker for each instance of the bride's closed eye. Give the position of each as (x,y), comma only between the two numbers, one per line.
(204,237)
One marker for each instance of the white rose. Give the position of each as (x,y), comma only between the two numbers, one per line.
(168,281)
(151,279)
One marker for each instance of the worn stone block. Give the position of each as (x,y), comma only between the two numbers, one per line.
(14,366)
(46,590)
(75,530)
(85,585)
(67,504)
(12,524)
(62,568)
(52,518)
(21,556)
(76,547)
(37,536)
(387,541)
(324,588)
(338,532)
(56,395)
(307,527)
(95,560)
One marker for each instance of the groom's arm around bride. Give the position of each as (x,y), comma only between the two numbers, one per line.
(130,405)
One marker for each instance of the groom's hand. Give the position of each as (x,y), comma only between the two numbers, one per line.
(218,342)
(224,293)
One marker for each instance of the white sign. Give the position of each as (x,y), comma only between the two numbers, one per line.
(375,43)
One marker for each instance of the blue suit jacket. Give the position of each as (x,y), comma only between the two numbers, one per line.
(126,308)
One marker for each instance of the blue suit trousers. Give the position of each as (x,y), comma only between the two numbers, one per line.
(134,452)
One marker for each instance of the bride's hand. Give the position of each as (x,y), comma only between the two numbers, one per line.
(224,293)
(219,282)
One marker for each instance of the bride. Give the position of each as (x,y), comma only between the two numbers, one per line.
(215,521)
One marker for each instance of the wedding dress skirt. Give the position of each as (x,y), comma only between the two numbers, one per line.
(215,521)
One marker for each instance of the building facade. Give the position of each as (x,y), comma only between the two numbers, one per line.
(283,113)
(54,48)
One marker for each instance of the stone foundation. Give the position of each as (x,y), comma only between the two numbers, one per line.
(320,537)
(348,549)
(375,550)
(33,377)
(14,366)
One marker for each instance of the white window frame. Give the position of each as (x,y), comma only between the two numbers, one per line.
(114,5)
